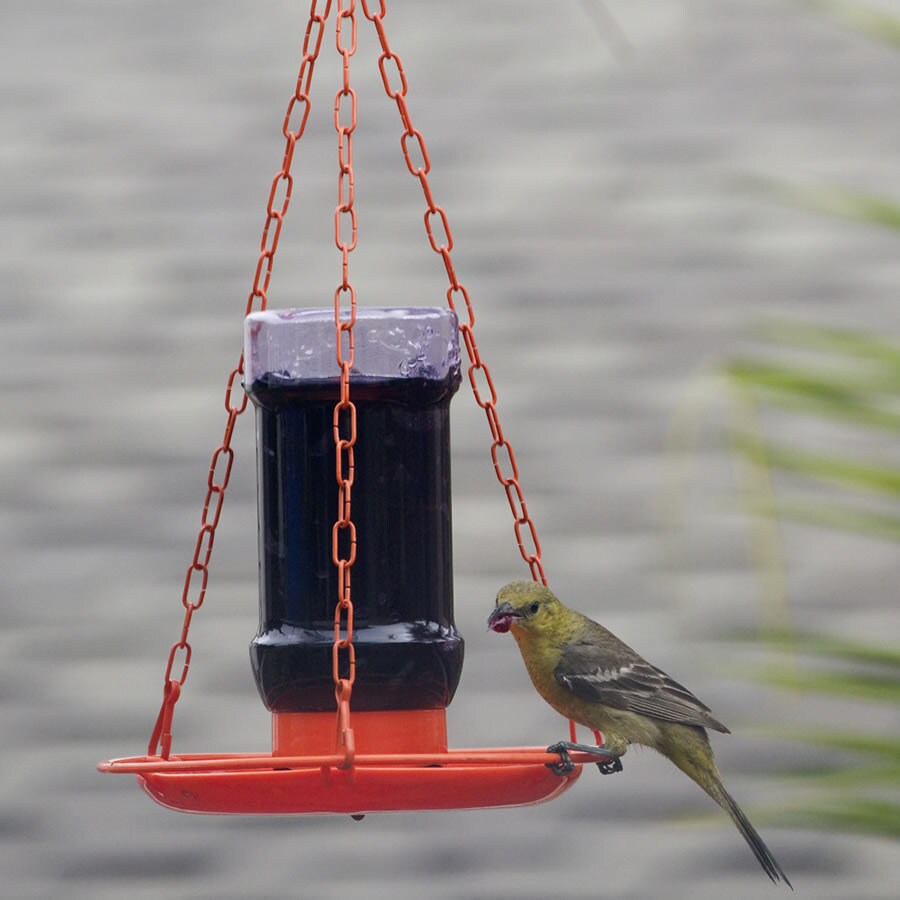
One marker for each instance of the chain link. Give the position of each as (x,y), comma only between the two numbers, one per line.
(343,535)
(441,241)
(197,575)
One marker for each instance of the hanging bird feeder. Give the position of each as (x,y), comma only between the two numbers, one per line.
(357,655)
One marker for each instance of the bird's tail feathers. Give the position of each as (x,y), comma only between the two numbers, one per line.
(751,835)
(693,755)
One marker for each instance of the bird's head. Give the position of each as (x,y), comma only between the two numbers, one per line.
(525,607)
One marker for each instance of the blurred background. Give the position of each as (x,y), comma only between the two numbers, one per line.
(683,254)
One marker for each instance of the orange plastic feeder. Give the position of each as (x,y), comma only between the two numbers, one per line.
(356,601)
(402,763)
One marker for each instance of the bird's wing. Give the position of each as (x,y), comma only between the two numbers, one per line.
(630,683)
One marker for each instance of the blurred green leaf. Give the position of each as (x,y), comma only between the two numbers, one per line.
(861,413)
(875,688)
(841,517)
(851,814)
(881,479)
(843,341)
(845,203)
(836,648)
(858,382)
(816,392)
(848,742)
(861,17)
(846,777)
(837,389)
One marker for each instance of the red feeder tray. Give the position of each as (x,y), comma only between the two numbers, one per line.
(424,776)
(252,785)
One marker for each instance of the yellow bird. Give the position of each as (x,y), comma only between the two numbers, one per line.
(587,674)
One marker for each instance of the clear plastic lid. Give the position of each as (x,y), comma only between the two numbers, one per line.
(390,342)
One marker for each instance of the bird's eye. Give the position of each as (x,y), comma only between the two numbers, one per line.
(535,607)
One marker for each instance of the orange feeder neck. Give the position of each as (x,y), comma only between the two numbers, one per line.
(392,731)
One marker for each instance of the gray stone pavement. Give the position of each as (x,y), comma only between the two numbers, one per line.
(605,230)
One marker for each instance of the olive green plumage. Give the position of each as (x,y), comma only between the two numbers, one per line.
(587,674)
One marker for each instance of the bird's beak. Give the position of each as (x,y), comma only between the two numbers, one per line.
(502,617)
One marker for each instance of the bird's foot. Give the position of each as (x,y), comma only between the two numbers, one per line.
(610,764)
(565,764)
(610,768)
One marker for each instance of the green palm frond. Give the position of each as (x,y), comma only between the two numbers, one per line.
(837,377)
(852,473)
(834,516)
(864,687)
(843,342)
(841,202)
(885,748)
(830,648)
(854,381)
(849,814)
(862,17)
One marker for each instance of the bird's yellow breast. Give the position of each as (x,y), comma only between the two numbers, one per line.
(541,657)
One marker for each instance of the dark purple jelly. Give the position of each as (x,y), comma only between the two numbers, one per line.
(408,652)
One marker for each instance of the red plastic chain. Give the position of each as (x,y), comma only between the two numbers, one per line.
(343,536)
(437,227)
(197,576)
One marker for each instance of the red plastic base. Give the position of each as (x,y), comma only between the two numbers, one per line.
(361,789)
(401,763)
